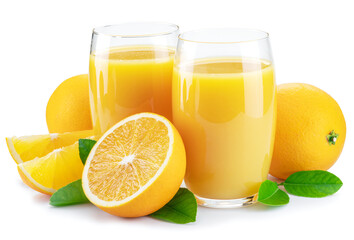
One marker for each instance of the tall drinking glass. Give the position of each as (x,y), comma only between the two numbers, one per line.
(224,106)
(130,71)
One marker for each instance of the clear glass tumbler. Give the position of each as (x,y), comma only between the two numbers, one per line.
(224,106)
(130,71)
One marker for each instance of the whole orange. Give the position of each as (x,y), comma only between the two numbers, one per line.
(68,108)
(310,130)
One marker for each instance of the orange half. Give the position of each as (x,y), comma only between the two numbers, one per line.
(136,167)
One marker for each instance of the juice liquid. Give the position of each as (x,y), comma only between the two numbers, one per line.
(129,80)
(225,110)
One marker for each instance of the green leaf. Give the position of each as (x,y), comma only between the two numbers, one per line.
(181,209)
(270,194)
(69,195)
(267,189)
(279,198)
(85,146)
(315,184)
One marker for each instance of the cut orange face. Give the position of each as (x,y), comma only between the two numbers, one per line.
(136,167)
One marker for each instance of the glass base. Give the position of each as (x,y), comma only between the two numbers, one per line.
(226,203)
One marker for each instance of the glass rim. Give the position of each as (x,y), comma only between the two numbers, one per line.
(265,35)
(174,28)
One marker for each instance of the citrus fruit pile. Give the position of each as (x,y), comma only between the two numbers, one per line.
(133,170)
(49,162)
(138,165)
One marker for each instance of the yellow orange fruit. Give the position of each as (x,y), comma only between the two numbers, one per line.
(136,167)
(68,108)
(310,130)
(25,148)
(53,171)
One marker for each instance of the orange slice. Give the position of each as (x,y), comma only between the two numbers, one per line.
(23,149)
(136,167)
(53,171)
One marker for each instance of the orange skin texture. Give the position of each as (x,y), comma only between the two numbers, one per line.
(305,116)
(68,108)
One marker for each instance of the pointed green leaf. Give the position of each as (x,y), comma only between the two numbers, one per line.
(313,184)
(69,195)
(267,189)
(181,209)
(85,146)
(277,199)
(270,194)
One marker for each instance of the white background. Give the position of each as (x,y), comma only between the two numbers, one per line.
(44,42)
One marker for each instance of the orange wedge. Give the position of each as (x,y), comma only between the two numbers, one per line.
(53,171)
(136,167)
(23,149)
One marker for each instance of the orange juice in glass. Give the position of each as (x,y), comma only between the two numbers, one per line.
(224,106)
(130,71)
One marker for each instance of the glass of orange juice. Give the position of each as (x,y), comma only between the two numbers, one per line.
(130,71)
(224,106)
